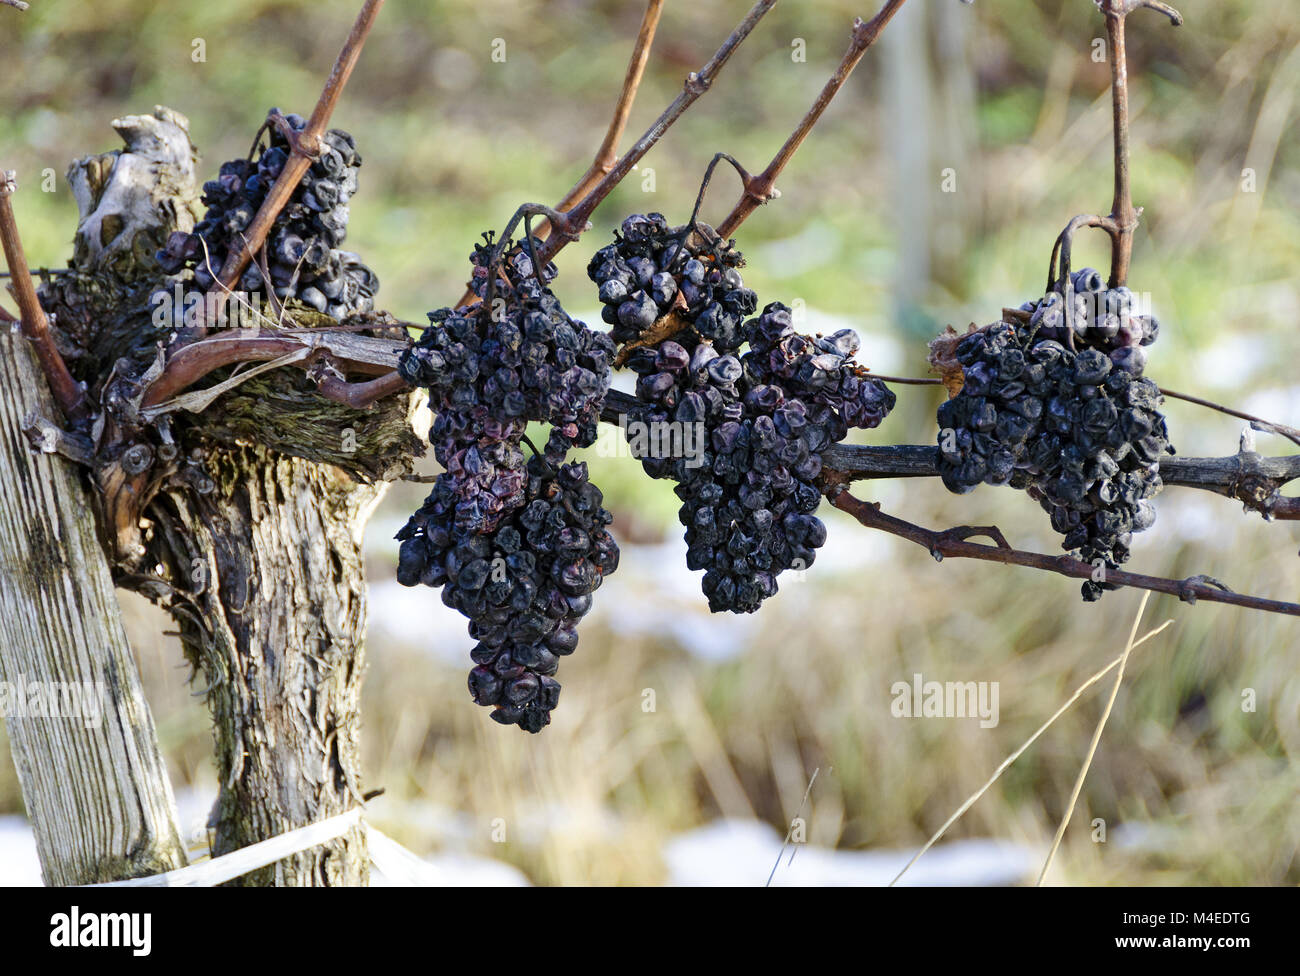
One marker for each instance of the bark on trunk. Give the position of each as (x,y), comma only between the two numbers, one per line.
(98,798)
(275,621)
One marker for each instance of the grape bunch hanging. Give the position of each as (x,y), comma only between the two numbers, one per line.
(304,258)
(749,492)
(517,546)
(519,542)
(1054,401)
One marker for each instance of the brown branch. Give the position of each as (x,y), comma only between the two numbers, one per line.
(570,224)
(1247,477)
(362,395)
(192,362)
(954,543)
(36,326)
(607,155)
(572,221)
(697,83)
(761,188)
(305,146)
(195,360)
(1122,212)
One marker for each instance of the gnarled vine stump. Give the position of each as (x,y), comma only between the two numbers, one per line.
(243,519)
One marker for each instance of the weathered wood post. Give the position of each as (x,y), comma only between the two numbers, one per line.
(94,784)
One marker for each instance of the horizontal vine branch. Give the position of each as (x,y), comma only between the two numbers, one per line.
(1248,477)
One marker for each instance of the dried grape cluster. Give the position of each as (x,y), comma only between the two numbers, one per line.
(302,249)
(524,585)
(1078,428)
(493,367)
(651,269)
(817,371)
(517,547)
(741,435)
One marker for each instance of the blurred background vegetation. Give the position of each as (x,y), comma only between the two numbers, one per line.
(1006,95)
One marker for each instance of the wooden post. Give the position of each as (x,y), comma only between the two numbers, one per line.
(98,797)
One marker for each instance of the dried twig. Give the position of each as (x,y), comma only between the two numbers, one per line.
(761,188)
(575,210)
(1290,433)
(1123,216)
(194,361)
(955,543)
(305,146)
(1096,740)
(607,154)
(36,327)
(697,83)
(1024,746)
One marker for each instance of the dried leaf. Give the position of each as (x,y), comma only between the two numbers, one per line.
(943,359)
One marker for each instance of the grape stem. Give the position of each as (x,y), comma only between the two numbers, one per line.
(745,178)
(955,543)
(35,324)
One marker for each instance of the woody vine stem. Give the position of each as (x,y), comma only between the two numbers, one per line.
(1246,476)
